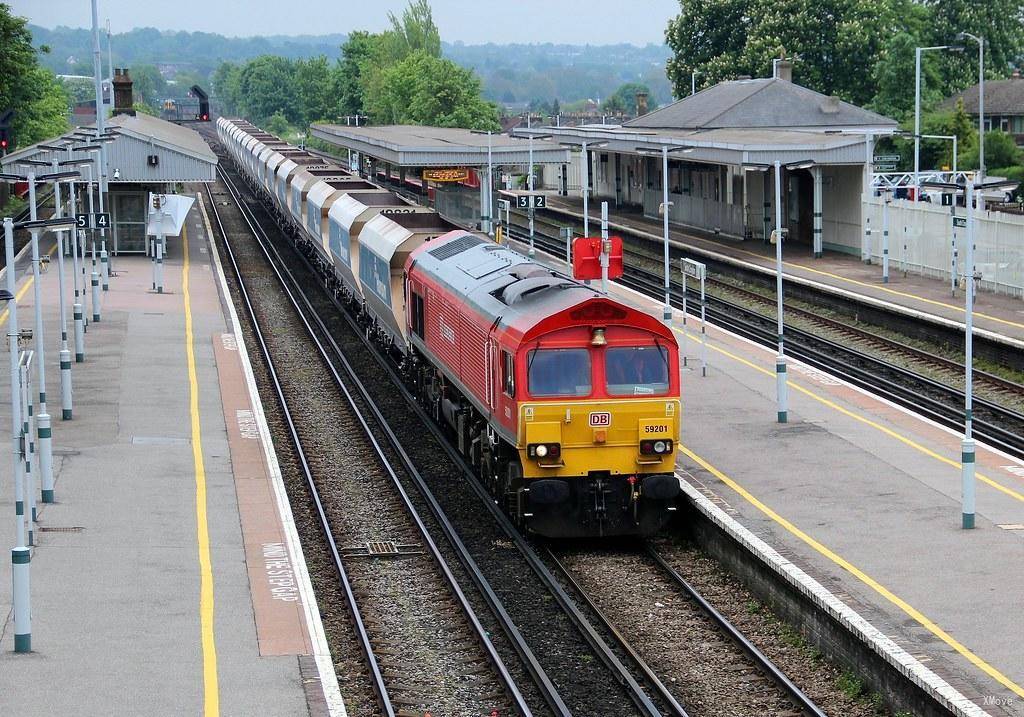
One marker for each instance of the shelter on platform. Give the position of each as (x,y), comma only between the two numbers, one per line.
(721,141)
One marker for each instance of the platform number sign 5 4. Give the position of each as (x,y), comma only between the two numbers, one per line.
(600,419)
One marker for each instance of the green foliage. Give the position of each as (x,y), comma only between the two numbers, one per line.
(860,50)
(79,90)
(226,83)
(624,98)
(1000,151)
(277,124)
(357,57)
(38,98)
(422,89)
(148,85)
(265,84)
(415,32)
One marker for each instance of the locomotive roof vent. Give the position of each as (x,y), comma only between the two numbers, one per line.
(524,288)
(455,246)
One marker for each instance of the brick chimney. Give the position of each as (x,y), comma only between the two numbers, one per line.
(784,70)
(1016,73)
(123,104)
(641,103)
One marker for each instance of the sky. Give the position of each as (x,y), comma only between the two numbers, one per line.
(595,22)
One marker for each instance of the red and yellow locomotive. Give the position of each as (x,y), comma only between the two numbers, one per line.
(568,401)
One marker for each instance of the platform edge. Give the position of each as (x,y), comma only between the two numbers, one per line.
(933,685)
(321,651)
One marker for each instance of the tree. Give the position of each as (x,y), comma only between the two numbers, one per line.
(624,98)
(226,84)
(266,88)
(277,124)
(148,85)
(315,90)
(415,32)
(999,22)
(422,89)
(1000,151)
(357,57)
(38,98)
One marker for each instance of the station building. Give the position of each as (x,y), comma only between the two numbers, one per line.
(722,144)
(147,154)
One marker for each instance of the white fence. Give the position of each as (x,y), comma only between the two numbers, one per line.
(921,240)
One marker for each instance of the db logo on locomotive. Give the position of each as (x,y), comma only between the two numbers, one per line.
(600,419)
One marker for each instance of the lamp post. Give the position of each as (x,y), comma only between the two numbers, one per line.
(585,178)
(967,446)
(665,205)
(693,82)
(981,100)
(530,182)
(917,111)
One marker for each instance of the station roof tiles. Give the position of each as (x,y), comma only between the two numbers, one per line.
(419,146)
(1002,97)
(761,103)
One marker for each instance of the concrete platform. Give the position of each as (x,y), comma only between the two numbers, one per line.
(864,497)
(998,315)
(167,578)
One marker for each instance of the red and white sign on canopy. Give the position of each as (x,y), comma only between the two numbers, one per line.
(586,258)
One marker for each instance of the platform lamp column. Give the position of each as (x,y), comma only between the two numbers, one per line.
(981,100)
(530,184)
(918,51)
(43,421)
(73,238)
(781,385)
(967,446)
(666,314)
(64,354)
(605,248)
(21,556)
(488,224)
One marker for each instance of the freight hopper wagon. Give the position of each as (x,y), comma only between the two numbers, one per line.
(567,401)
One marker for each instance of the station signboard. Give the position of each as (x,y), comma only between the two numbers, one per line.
(450,174)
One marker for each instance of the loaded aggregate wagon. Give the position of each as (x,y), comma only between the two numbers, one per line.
(347,218)
(567,400)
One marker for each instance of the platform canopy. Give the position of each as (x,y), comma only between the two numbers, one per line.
(416,146)
(145,149)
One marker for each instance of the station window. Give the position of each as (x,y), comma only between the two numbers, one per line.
(508,375)
(636,370)
(559,372)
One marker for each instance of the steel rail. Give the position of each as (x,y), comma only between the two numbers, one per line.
(586,630)
(761,661)
(309,318)
(649,675)
(854,366)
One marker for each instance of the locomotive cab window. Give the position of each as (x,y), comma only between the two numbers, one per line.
(508,376)
(636,370)
(559,372)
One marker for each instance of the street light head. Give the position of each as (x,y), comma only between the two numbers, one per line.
(806,164)
(57,176)
(956,48)
(756,167)
(5,177)
(5,295)
(33,162)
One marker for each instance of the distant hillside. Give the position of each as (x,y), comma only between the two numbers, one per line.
(511,73)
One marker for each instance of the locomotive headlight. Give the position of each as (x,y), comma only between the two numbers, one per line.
(541,450)
(659,447)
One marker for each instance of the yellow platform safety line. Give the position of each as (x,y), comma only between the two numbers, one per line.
(887,290)
(211,694)
(1017,495)
(846,565)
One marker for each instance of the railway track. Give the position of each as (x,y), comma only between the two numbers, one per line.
(576,671)
(423,645)
(642,687)
(997,425)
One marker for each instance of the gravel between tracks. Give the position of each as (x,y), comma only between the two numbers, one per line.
(579,676)
(428,653)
